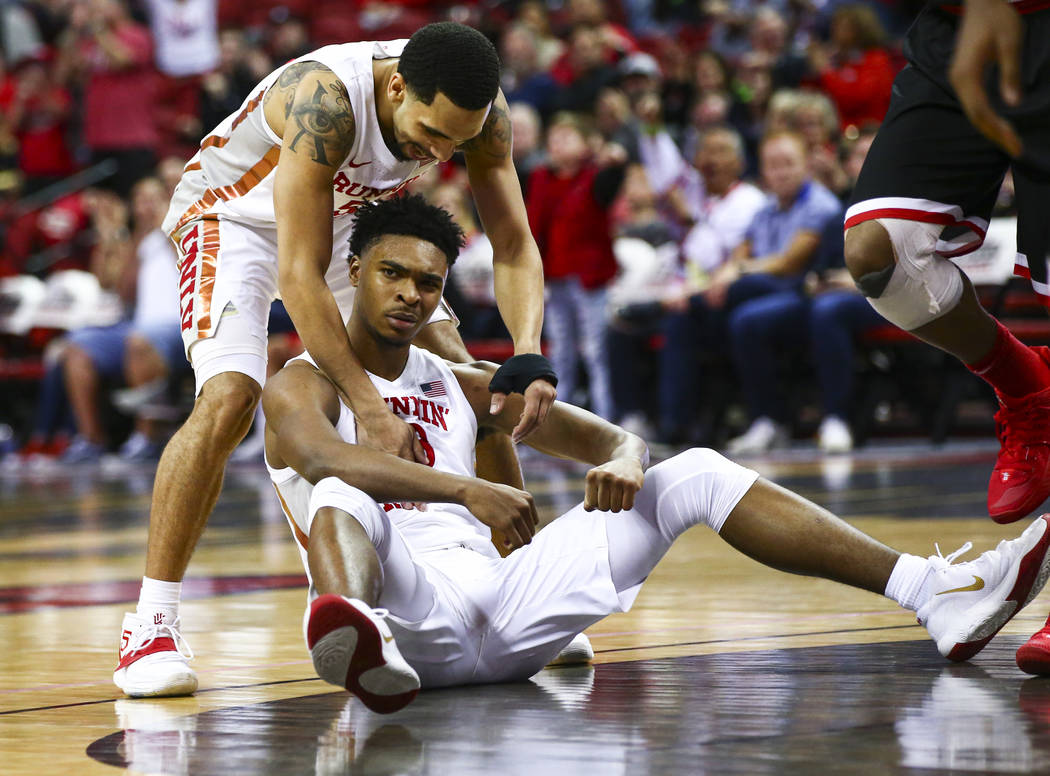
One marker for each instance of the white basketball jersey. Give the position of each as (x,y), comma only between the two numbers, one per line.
(231,176)
(429,398)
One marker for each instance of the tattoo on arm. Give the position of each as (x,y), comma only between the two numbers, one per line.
(323,120)
(496,137)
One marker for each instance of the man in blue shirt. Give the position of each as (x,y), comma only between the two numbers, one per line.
(780,245)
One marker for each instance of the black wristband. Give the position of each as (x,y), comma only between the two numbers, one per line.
(519,371)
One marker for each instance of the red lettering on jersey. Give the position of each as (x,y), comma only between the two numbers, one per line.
(340,182)
(438,414)
(399,404)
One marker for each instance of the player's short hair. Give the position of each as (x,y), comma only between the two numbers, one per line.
(453,59)
(409,215)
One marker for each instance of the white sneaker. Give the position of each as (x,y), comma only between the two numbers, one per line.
(834,435)
(577,652)
(154,659)
(764,434)
(974,600)
(352,647)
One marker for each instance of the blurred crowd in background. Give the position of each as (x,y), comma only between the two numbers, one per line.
(685,166)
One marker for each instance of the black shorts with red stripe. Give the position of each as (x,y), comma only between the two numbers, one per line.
(929,164)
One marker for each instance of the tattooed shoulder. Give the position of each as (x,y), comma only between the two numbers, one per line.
(319,117)
(496,138)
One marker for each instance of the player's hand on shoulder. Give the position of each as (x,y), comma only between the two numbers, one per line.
(387,432)
(508,511)
(612,486)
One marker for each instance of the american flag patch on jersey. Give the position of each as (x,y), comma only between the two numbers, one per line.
(433,389)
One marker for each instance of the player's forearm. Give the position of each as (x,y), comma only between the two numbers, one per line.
(519,295)
(576,434)
(384,477)
(320,327)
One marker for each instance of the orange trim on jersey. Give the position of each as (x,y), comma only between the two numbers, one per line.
(247,182)
(299,535)
(209,259)
(191,167)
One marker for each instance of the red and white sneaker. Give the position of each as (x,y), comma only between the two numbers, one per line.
(154,659)
(352,647)
(1020,481)
(972,601)
(1034,655)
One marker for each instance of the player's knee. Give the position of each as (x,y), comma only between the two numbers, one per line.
(226,405)
(332,493)
(917,285)
(868,250)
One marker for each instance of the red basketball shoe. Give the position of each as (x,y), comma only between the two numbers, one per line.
(1020,481)
(1034,655)
(352,647)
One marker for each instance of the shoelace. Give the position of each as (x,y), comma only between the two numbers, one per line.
(151,633)
(943,561)
(1019,428)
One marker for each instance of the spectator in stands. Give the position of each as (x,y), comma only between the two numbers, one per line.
(855,69)
(616,39)
(19,34)
(583,71)
(53,237)
(780,246)
(141,352)
(223,89)
(770,39)
(473,277)
(549,48)
(569,202)
(648,258)
(523,80)
(823,322)
(111,57)
(720,209)
(528,136)
(37,111)
(816,120)
(186,36)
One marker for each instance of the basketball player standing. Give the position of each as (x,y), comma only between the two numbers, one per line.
(263,210)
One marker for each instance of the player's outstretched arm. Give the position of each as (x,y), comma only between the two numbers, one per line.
(302,408)
(516,259)
(619,457)
(310,109)
(991,32)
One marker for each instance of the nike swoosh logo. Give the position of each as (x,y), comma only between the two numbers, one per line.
(388,639)
(978,584)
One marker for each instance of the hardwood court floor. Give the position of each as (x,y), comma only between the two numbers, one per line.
(722,666)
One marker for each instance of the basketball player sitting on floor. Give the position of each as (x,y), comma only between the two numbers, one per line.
(452,610)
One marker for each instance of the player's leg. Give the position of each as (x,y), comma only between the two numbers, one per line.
(358,560)
(224,328)
(787,532)
(924,195)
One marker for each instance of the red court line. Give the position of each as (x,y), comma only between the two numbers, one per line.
(29,598)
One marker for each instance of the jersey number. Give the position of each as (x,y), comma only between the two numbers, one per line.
(427,447)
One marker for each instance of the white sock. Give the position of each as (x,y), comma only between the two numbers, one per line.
(909,582)
(159,597)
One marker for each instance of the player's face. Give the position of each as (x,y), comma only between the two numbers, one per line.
(399,282)
(784,168)
(426,132)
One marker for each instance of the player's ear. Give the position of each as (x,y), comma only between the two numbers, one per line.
(396,89)
(355,270)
